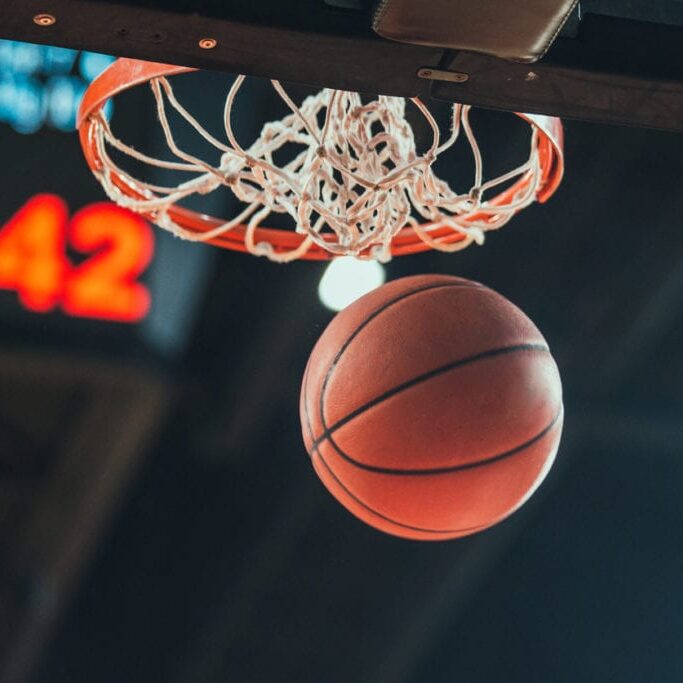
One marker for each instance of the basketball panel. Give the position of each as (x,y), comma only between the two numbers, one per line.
(417,335)
(447,503)
(346,324)
(462,416)
(374,519)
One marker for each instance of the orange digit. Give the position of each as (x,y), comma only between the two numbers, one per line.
(32,252)
(105,286)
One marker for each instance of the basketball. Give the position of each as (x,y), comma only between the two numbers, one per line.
(431,407)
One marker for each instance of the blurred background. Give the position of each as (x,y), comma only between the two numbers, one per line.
(159,519)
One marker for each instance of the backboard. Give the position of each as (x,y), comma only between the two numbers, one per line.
(607,60)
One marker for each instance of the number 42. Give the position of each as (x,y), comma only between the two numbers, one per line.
(34,262)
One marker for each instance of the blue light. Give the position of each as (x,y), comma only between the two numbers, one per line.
(44,84)
(6,49)
(27,109)
(93,64)
(63,93)
(6,97)
(26,58)
(59,59)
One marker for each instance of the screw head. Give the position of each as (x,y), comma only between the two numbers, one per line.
(44,19)
(208,43)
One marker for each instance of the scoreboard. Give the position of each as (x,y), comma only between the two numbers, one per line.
(78,273)
(96,276)
(87,264)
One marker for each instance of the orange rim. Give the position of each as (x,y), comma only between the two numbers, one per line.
(124,74)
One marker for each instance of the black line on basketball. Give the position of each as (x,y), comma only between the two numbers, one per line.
(454,468)
(404,295)
(466,530)
(389,304)
(305,393)
(484,355)
(316,451)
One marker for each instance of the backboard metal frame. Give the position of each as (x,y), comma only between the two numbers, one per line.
(609,69)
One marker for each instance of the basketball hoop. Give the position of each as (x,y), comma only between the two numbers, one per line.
(349,190)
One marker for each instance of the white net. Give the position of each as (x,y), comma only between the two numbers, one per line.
(353,181)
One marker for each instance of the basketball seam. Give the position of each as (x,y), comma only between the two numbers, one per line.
(400,525)
(328,431)
(430,374)
(328,435)
(304,391)
(389,519)
(408,526)
(453,468)
(463,530)
(465,284)
(375,313)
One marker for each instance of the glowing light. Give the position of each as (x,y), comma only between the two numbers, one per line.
(117,247)
(91,64)
(27,114)
(347,279)
(63,94)
(42,84)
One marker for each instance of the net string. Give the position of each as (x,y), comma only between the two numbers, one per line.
(356,183)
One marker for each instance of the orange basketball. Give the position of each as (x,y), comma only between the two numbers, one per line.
(431,407)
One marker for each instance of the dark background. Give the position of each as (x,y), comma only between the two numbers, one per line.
(213,553)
